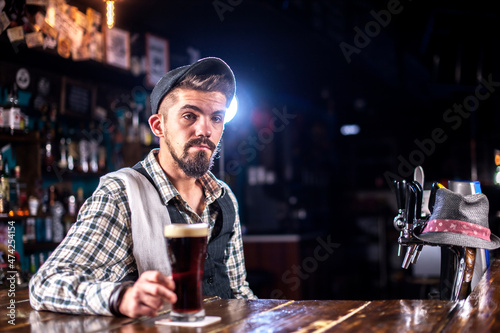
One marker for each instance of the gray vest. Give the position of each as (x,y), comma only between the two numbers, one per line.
(148,219)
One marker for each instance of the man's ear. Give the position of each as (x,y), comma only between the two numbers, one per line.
(156,124)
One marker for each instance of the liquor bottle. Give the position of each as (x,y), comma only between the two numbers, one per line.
(71,135)
(93,150)
(72,206)
(40,230)
(57,212)
(72,153)
(102,158)
(41,259)
(2,110)
(48,156)
(80,199)
(3,203)
(5,117)
(33,267)
(2,114)
(30,233)
(4,188)
(102,151)
(63,148)
(48,228)
(21,194)
(14,111)
(84,150)
(14,193)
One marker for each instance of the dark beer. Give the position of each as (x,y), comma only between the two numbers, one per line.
(187,247)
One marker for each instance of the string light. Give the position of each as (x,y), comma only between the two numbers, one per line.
(50,16)
(110,13)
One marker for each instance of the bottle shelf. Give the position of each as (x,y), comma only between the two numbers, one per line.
(34,247)
(4,217)
(38,151)
(62,174)
(18,136)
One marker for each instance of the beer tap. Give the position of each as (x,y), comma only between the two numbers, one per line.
(457,263)
(409,195)
(418,222)
(408,237)
(432,197)
(399,220)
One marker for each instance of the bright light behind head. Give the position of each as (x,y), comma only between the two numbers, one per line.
(231,110)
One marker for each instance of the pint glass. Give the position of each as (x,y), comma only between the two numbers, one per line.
(187,247)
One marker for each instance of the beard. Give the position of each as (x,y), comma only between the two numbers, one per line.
(198,163)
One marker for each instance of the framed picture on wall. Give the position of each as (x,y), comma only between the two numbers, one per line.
(157,58)
(117,43)
(78,99)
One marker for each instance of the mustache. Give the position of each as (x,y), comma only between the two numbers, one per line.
(200,141)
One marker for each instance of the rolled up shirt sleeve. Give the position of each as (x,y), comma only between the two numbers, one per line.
(79,276)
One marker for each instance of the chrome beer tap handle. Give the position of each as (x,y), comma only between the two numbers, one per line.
(418,192)
(408,256)
(407,232)
(409,200)
(400,220)
(410,211)
(419,195)
(416,254)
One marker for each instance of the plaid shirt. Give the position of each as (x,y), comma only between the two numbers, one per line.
(96,253)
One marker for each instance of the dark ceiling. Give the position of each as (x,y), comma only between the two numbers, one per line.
(411,61)
(297,43)
(294,46)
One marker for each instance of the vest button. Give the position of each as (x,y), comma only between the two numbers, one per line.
(210,280)
(206,257)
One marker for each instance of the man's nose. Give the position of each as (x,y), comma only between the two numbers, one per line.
(203,127)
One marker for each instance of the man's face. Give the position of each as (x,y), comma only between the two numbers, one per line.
(193,126)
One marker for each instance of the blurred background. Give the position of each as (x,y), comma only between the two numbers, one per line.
(336,100)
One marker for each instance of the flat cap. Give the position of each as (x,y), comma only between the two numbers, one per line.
(205,66)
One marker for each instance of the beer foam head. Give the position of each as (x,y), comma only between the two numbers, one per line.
(178,230)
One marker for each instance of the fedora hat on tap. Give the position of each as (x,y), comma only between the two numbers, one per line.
(460,220)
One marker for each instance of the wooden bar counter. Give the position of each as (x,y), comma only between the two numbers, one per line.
(480,312)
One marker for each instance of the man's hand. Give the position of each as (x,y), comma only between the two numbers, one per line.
(147,295)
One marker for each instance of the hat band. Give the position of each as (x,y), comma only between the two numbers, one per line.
(457,227)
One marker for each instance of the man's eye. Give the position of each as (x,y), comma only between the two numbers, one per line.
(189,116)
(218,119)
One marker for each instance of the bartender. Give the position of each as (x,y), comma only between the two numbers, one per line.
(113,259)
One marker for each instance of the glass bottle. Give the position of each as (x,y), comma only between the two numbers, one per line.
(80,199)
(84,150)
(62,162)
(21,193)
(48,155)
(4,188)
(14,111)
(15,189)
(2,114)
(57,212)
(93,149)
(63,148)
